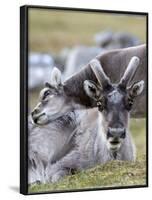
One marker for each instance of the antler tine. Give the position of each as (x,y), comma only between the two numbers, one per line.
(100,74)
(130,71)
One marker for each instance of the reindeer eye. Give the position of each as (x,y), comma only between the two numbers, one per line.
(46,93)
(101,104)
(129,103)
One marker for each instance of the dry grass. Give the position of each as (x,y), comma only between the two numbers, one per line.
(50,31)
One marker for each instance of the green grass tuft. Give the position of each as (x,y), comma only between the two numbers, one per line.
(114,173)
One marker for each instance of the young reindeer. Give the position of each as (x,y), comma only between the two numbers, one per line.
(51,128)
(107,137)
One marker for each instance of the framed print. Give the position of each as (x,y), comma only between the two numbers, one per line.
(83,99)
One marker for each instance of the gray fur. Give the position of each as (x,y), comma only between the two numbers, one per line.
(90,149)
(49,143)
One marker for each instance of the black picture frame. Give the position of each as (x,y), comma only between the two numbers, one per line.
(24,47)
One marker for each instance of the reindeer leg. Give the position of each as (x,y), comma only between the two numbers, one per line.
(63,167)
(36,169)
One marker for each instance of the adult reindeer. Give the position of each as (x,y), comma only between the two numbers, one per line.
(114,64)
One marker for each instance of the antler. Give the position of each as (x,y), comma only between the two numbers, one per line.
(130,71)
(100,74)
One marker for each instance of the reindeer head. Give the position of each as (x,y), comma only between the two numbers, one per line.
(114,101)
(53,102)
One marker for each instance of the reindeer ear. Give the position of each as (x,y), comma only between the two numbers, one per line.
(55,77)
(136,89)
(91,89)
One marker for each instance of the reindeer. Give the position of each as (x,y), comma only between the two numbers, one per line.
(107,137)
(51,129)
(78,57)
(114,64)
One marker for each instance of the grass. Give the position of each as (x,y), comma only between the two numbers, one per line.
(111,174)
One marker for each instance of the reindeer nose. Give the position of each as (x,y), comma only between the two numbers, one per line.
(116,133)
(35,111)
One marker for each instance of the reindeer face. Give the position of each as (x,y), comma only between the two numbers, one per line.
(52,101)
(114,102)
